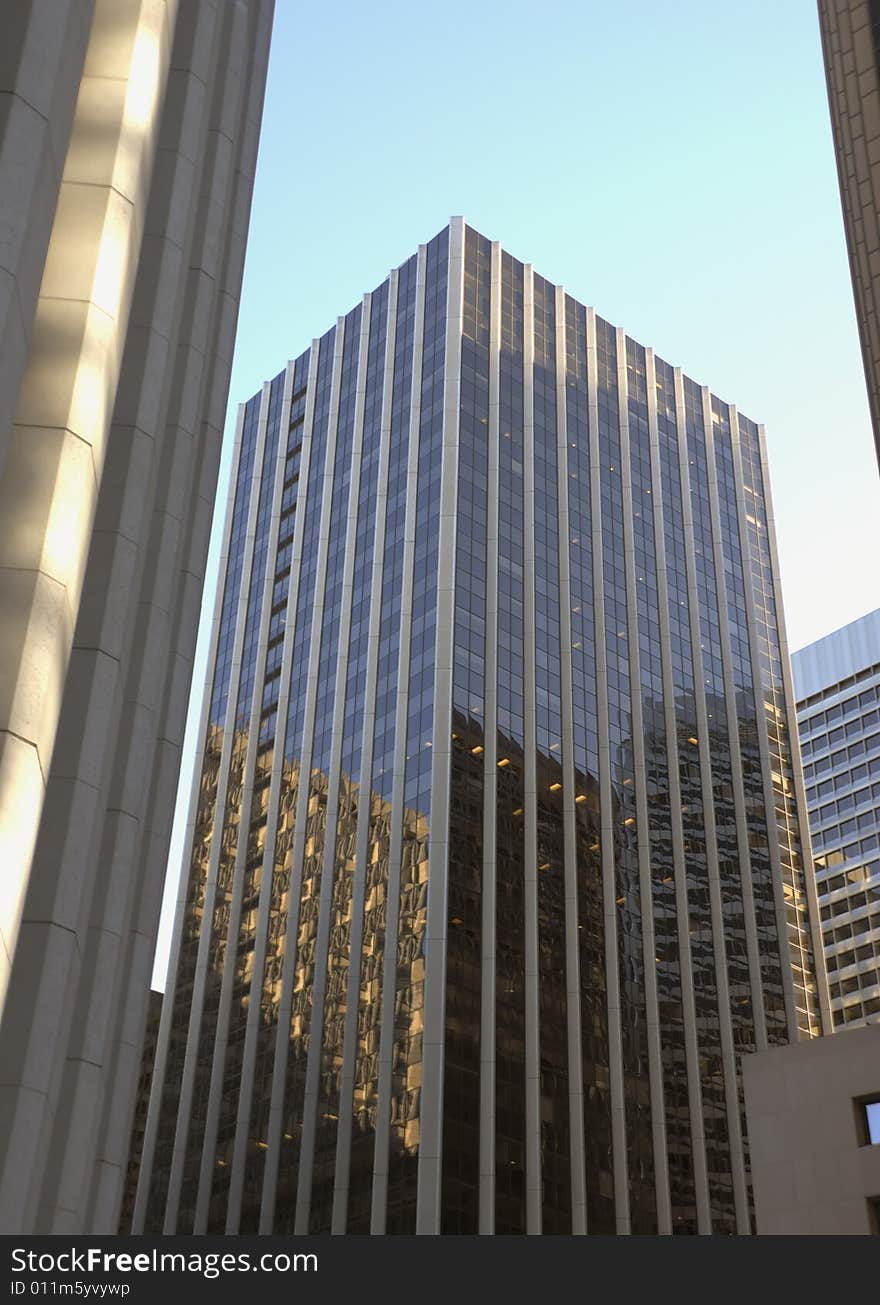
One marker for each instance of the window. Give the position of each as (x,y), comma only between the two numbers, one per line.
(872,1116)
(868,1120)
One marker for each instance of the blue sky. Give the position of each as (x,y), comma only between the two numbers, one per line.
(669,163)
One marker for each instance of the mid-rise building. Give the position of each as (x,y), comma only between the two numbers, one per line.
(128,142)
(837,684)
(496,844)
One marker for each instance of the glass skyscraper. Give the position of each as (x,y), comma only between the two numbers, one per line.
(837,681)
(495,846)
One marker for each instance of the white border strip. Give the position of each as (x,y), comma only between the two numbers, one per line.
(352,1012)
(387,1029)
(433,1039)
(282,1045)
(488,960)
(646,902)
(577,1141)
(233,928)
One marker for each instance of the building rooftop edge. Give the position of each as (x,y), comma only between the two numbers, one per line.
(836,656)
(459,218)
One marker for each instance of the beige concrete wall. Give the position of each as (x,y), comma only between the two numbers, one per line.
(106,499)
(42,50)
(57,446)
(854,99)
(812,1174)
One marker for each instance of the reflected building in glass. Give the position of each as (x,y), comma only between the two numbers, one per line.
(837,682)
(496,861)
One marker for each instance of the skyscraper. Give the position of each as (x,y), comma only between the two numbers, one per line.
(495,860)
(837,683)
(128,140)
(851,47)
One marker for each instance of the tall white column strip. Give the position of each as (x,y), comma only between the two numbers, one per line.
(272,814)
(682,906)
(716,910)
(827,1022)
(184,1109)
(433,1040)
(732,717)
(649,964)
(577,1144)
(319,985)
(392,908)
(763,745)
(352,1003)
(692,1060)
(245,1098)
(221,1038)
(285,1005)
(609,914)
(161,1059)
(534,1190)
(488,965)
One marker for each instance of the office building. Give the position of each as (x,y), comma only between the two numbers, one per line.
(851,48)
(837,686)
(495,859)
(813,1114)
(128,140)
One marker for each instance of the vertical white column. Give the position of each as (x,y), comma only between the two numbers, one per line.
(530,781)
(184,1109)
(692,1058)
(490,773)
(245,1099)
(433,1039)
(826,1018)
(221,1037)
(682,907)
(392,908)
(577,1151)
(763,744)
(153,1112)
(719,950)
(285,1005)
(352,1006)
(732,717)
(612,972)
(272,814)
(649,965)
(319,986)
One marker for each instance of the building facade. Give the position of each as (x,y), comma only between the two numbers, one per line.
(142,1101)
(837,685)
(813,1113)
(851,47)
(128,139)
(495,859)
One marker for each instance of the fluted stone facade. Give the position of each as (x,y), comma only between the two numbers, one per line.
(128,140)
(851,47)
